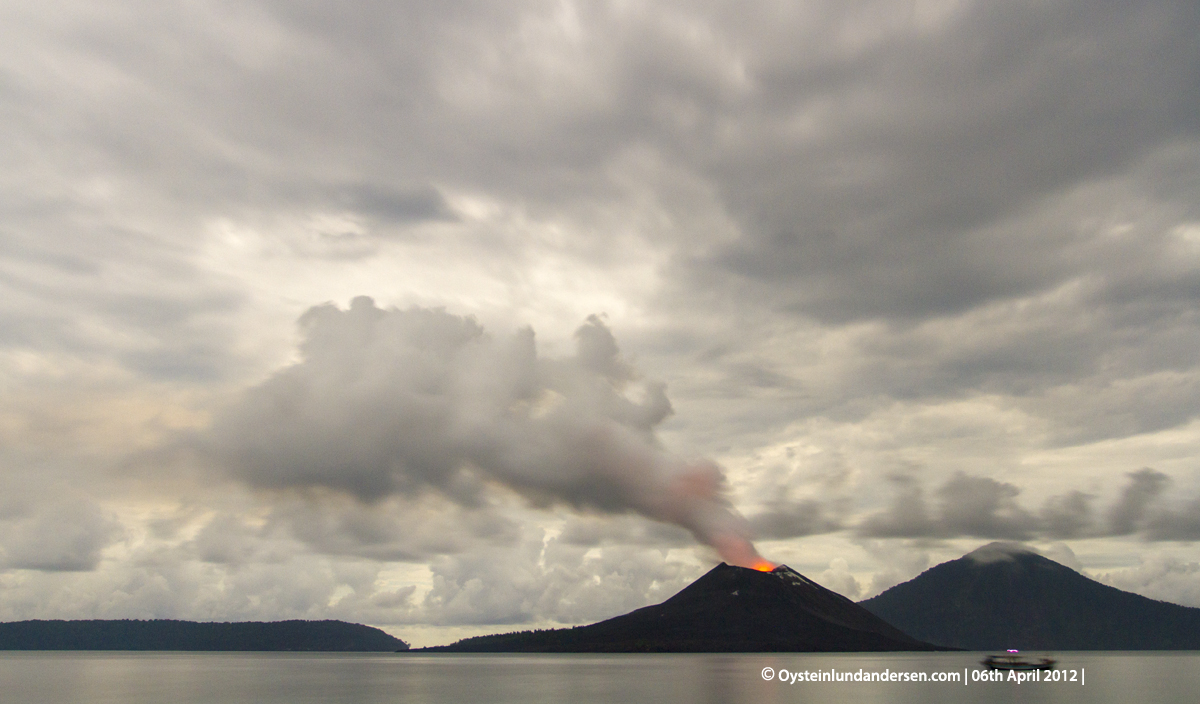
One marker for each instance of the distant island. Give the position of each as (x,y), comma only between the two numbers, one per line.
(1000,596)
(1005,595)
(327,636)
(729,609)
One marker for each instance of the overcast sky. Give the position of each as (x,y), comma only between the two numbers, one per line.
(463,317)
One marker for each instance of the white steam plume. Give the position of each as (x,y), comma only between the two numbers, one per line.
(405,401)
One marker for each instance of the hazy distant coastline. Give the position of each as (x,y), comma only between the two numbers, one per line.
(328,636)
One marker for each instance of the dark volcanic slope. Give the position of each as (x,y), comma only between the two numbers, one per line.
(1004,596)
(730,609)
(189,635)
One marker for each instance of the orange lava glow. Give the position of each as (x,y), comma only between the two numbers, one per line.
(764,566)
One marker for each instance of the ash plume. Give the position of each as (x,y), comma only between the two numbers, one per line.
(387,401)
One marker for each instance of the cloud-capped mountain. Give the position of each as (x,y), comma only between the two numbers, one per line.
(1007,596)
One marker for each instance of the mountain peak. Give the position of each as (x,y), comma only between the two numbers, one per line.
(728,609)
(784,572)
(1005,595)
(791,576)
(999,551)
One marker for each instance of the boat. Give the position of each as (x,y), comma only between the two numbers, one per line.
(1013,661)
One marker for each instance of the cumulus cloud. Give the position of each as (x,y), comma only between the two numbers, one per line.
(794,519)
(250,570)
(65,536)
(981,507)
(1063,555)
(1127,514)
(907,516)
(839,579)
(599,531)
(1162,577)
(1067,516)
(554,581)
(1181,523)
(388,402)
(967,505)
(898,562)
(965,132)
(391,529)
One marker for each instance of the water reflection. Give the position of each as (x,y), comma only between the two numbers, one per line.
(268,678)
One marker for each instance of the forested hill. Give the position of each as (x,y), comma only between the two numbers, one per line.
(1006,596)
(336,636)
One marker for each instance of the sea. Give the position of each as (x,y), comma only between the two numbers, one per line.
(31,677)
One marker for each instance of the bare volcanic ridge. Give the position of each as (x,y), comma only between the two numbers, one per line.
(729,609)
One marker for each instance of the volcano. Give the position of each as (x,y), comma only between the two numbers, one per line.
(1005,595)
(729,609)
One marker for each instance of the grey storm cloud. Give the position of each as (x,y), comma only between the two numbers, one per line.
(402,402)
(967,506)
(899,210)
(395,205)
(1067,516)
(597,531)
(887,161)
(392,530)
(334,525)
(1182,524)
(1144,486)
(907,516)
(63,536)
(793,519)
(843,217)
(981,507)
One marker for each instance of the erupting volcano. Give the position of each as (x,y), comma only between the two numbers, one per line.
(729,609)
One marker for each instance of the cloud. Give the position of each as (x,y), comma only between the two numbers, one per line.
(1165,578)
(1063,555)
(64,536)
(404,402)
(601,531)
(793,519)
(981,507)
(999,552)
(1181,524)
(899,561)
(555,582)
(392,529)
(907,516)
(1144,486)
(839,579)
(241,567)
(391,205)
(883,211)
(1067,516)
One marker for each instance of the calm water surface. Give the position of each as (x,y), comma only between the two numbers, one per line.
(270,678)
